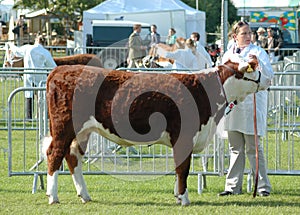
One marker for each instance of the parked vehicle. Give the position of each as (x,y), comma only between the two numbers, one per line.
(111,36)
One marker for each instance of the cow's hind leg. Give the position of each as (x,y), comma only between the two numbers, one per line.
(54,159)
(180,189)
(74,160)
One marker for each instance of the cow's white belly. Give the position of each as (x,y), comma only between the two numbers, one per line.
(93,125)
(203,137)
(200,140)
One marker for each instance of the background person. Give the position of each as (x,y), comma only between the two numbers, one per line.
(254,39)
(171,39)
(34,56)
(261,37)
(183,56)
(274,45)
(136,48)
(203,56)
(153,36)
(239,122)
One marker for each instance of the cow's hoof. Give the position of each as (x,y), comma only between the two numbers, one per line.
(184,198)
(178,201)
(85,199)
(53,201)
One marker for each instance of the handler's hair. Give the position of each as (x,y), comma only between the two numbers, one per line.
(40,39)
(191,45)
(197,35)
(237,26)
(136,26)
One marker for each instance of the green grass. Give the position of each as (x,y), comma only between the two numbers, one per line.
(134,194)
(113,195)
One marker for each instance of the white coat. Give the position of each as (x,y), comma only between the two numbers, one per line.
(241,117)
(183,57)
(34,56)
(203,57)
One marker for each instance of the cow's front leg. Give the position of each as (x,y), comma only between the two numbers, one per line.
(180,188)
(75,165)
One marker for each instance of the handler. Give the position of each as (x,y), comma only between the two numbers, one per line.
(240,123)
(35,56)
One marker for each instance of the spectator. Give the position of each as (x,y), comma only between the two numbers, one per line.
(274,45)
(261,37)
(35,56)
(153,37)
(254,39)
(239,123)
(136,48)
(204,58)
(171,39)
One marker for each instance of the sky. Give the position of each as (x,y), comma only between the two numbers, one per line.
(10,2)
(265,3)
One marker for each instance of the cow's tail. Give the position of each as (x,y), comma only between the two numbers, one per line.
(46,141)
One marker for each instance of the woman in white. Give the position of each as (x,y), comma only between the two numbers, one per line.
(240,123)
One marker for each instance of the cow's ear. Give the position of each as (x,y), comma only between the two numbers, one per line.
(254,64)
(253,61)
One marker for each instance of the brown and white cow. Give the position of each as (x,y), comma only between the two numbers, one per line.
(179,110)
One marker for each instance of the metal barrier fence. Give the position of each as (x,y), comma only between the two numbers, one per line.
(104,157)
(111,57)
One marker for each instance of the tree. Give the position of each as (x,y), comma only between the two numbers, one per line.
(66,10)
(212,9)
(70,10)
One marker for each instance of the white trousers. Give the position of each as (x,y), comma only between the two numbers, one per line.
(240,144)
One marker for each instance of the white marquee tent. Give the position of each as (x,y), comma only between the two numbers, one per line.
(165,14)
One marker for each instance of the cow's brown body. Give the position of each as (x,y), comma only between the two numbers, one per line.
(83,59)
(124,106)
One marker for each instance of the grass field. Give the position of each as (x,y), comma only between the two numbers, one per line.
(116,196)
(122,195)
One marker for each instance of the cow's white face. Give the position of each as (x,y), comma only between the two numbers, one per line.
(253,81)
(238,89)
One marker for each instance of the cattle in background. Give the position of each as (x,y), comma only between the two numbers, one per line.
(179,110)
(152,60)
(83,59)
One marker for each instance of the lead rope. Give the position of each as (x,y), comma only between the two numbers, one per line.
(256,146)
(222,88)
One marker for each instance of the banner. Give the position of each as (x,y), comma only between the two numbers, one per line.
(287,20)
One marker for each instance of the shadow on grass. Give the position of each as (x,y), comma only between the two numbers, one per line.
(243,203)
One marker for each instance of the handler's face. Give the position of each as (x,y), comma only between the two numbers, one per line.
(243,36)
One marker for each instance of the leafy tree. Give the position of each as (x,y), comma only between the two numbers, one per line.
(213,9)
(69,11)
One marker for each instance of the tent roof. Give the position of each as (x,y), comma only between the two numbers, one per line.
(130,6)
(265,3)
(42,12)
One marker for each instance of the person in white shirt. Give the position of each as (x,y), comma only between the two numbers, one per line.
(34,56)
(204,57)
(183,56)
(239,123)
